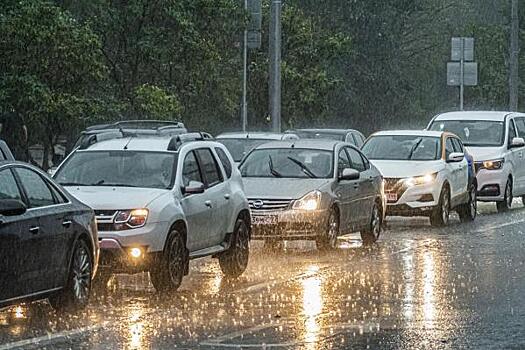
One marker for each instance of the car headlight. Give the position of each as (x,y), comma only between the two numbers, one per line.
(311,201)
(420,180)
(134,218)
(492,164)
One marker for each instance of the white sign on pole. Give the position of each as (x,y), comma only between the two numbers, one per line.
(470,73)
(468,49)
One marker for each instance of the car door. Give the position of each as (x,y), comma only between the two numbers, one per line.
(463,174)
(346,192)
(513,156)
(218,193)
(196,207)
(453,168)
(45,240)
(13,231)
(363,186)
(520,160)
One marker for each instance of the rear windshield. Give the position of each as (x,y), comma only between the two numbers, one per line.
(242,146)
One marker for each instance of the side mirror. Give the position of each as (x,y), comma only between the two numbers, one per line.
(194,187)
(517,142)
(349,174)
(455,157)
(12,207)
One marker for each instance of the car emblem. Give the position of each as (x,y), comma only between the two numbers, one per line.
(258,204)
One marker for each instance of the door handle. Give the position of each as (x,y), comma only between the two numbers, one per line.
(227,196)
(34,230)
(208,204)
(66,223)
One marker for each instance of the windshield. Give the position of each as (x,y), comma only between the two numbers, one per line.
(320,135)
(240,147)
(479,133)
(118,168)
(288,163)
(402,147)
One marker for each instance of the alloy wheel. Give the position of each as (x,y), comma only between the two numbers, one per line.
(81,274)
(333,229)
(176,260)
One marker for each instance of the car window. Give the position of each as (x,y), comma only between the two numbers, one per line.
(190,170)
(458,147)
(350,139)
(512,131)
(227,165)
(520,125)
(8,187)
(365,161)
(356,159)
(209,166)
(38,192)
(343,161)
(449,147)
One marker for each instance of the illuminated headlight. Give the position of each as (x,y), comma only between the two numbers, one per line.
(311,201)
(420,180)
(492,164)
(135,253)
(131,218)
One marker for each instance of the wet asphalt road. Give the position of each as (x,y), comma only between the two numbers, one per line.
(462,287)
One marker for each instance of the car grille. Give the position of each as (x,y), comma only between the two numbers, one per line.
(262,205)
(105,219)
(395,185)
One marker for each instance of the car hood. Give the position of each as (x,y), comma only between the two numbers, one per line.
(484,153)
(278,188)
(407,168)
(111,198)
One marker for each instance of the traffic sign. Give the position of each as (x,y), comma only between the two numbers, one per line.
(462,49)
(470,73)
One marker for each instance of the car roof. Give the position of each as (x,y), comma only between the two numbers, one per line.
(409,133)
(153,144)
(476,115)
(328,145)
(261,135)
(331,131)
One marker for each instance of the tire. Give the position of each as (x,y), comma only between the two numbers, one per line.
(468,211)
(328,240)
(506,204)
(76,293)
(371,233)
(234,261)
(167,275)
(440,215)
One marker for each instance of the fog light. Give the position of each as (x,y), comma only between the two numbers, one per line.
(135,253)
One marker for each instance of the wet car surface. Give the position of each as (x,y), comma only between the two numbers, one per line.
(418,287)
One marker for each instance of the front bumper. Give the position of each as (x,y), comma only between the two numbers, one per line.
(491,185)
(414,200)
(117,259)
(152,235)
(290,224)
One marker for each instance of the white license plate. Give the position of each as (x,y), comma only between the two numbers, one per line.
(391,197)
(264,220)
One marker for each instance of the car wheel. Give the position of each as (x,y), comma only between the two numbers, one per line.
(371,234)
(167,276)
(234,261)
(506,204)
(468,211)
(75,295)
(328,240)
(440,215)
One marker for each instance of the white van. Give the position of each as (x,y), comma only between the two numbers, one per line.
(496,141)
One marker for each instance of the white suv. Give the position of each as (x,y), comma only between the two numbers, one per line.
(161,201)
(495,140)
(426,173)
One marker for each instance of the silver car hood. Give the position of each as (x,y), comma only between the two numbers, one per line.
(278,188)
(112,198)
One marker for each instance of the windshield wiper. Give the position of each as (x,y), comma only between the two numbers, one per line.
(72,184)
(272,170)
(413,149)
(305,169)
(113,185)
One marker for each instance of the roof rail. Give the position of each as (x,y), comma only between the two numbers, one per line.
(138,124)
(90,140)
(179,140)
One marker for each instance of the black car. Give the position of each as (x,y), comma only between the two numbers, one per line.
(5,152)
(48,240)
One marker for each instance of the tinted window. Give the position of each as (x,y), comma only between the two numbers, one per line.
(520,124)
(38,193)
(227,165)
(190,170)
(8,186)
(356,159)
(209,166)
(343,161)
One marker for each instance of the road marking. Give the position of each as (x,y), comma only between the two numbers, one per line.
(49,337)
(489,228)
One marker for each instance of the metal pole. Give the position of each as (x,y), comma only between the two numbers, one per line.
(275,65)
(244,107)
(514,57)
(461,75)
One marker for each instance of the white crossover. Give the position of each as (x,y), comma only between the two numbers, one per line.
(426,174)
